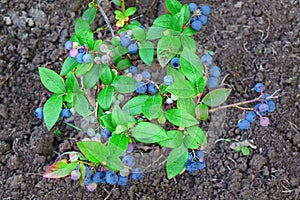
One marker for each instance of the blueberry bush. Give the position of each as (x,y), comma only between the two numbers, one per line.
(132,108)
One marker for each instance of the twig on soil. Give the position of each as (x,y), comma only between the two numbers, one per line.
(105,18)
(109,193)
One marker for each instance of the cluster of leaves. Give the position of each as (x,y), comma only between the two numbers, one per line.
(174,39)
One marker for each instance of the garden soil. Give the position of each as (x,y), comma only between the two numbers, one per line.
(254,41)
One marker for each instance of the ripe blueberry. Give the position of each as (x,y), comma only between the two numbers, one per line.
(39,113)
(146,75)
(250,116)
(128,161)
(271,106)
(205,10)
(133,70)
(196,25)
(87,58)
(140,87)
(136,174)
(66,113)
(133,48)
(207,59)
(243,124)
(259,87)
(123,180)
(105,133)
(214,71)
(212,83)
(111,177)
(68,45)
(79,58)
(125,41)
(203,19)
(152,88)
(175,62)
(193,7)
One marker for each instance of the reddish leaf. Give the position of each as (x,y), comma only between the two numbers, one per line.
(60,169)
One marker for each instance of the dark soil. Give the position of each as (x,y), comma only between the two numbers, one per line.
(255,41)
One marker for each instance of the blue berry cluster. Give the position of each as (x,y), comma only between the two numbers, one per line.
(198,15)
(65,113)
(92,178)
(214,72)
(195,161)
(265,106)
(80,52)
(144,83)
(128,42)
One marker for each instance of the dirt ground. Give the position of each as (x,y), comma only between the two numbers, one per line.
(255,41)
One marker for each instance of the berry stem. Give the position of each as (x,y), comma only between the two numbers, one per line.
(123,6)
(235,105)
(105,17)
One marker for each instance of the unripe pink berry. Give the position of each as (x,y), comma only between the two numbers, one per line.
(264,121)
(73,53)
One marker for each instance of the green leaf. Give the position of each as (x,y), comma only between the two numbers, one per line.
(134,106)
(124,84)
(114,163)
(181,118)
(117,2)
(201,84)
(115,41)
(52,81)
(155,32)
(123,64)
(164,21)
(182,89)
(188,31)
(152,107)
(181,18)
(119,15)
(175,139)
(81,104)
(201,111)
(186,104)
(52,109)
(84,33)
(176,161)
(188,43)
(84,68)
(117,144)
(97,45)
(195,138)
(68,65)
(147,132)
(94,151)
(216,97)
(89,15)
(191,65)
(139,34)
(120,117)
(91,77)
(106,121)
(129,11)
(245,150)
(106,74)
(177,76)
(146,52)
(60,168)
(105,97)
(72,83)
(167,48)
(173,6)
